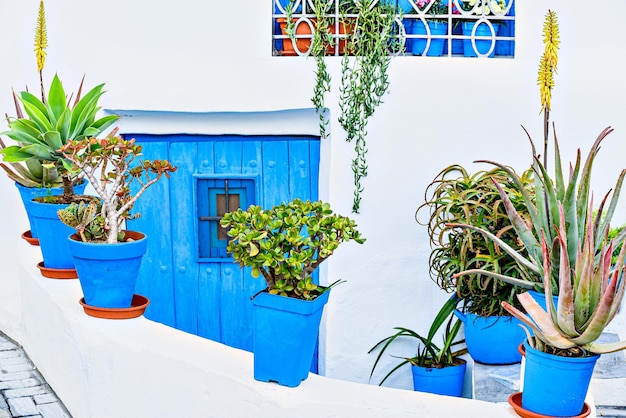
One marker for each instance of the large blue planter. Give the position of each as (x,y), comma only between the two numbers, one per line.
(108,272)
(417,46)
(445,381)
(29,193)
(492,339)
(284,334)
(52,235)
(555,386)
(485,47)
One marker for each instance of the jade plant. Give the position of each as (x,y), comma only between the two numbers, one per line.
(590,290)
(109,164)
(287,243)
(428,353)
(457,196)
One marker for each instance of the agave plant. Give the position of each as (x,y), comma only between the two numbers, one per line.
(51,122)
(429,354)
(574,196)
(590,294)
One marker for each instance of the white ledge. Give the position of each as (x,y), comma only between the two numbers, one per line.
(140,368)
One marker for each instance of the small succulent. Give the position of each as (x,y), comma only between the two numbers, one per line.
(287,243)
(590,293)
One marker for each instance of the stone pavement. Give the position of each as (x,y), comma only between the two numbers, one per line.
(23,390)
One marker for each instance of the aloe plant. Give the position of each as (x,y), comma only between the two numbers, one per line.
(287,243)
(457,196)
(51,122)
(590,293)
(429,353)
(573,195)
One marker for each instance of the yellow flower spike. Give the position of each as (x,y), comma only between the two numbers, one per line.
(549,60)
(41,37)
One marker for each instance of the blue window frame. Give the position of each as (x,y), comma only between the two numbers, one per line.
(214,198)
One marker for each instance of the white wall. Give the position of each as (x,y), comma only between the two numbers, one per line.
(198,56)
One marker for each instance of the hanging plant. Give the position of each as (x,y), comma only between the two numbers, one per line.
(364,78)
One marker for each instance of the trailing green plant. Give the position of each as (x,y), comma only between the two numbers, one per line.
(590,293)
(428,353)
(456,196)
(287,243)
(365,78)
(109,165)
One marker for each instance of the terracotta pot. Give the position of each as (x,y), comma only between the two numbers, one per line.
(303,45)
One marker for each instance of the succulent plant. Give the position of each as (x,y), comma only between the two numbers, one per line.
(573,196)
(590,293)
(108,164)
(287,243)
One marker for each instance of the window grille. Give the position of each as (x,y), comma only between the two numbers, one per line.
(452,28)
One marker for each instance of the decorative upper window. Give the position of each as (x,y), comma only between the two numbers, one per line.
(453,28)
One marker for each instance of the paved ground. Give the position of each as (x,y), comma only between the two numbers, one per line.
(23,391)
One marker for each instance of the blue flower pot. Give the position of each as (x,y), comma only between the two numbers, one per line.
(29,193)
(404,5)
(492,339)
(554,385)
(52,234)
(417,46)
(444,381)
(108,272)
(284,334)
(485,47)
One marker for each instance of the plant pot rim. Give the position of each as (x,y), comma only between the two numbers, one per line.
(515,400)
(137,308)
(534,351)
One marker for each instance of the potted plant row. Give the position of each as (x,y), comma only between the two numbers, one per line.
(435,368)
(285,245)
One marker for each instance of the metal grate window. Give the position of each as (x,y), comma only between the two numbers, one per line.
(450,28)
(215,197)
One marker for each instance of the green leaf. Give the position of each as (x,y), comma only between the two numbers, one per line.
(56,99)
(38,151)
(53,140)
(14,154)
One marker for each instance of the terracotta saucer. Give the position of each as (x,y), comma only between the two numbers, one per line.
(27,236)
(137,308)
(515,400)
(56,273)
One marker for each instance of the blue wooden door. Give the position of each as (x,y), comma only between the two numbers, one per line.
(193,285)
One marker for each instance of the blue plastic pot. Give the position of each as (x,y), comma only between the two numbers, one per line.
(284,335)
(29,193)
(52,234)
(445,381)
(404,5)
(417,46)
(108,272)
(556,386)
(485,47)
(492,339)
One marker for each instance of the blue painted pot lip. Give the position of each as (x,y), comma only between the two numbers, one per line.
(533,351)
(106,251)
(442,370)
(267,300)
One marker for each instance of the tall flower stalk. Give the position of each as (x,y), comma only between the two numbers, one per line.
(41,43)
(547,69)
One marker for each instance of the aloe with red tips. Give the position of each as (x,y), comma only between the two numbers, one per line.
(590,293)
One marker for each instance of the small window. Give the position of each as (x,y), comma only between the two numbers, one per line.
(449,28)
(215,197)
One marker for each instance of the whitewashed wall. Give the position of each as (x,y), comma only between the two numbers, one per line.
(195,56)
